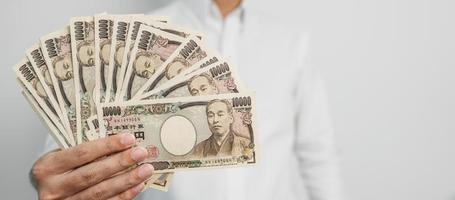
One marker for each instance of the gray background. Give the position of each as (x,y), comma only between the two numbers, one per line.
(389,67)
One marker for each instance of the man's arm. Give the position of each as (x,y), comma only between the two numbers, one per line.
(315,146)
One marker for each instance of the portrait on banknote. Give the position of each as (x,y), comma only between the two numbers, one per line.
(85,55)
(185,57)
(118,54)
(175,67)
(105,49)
(224,141)
(216,78)
(63,70)
(147,61)
(47,76)
(202,84)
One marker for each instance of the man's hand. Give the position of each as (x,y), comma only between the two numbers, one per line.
(94,170)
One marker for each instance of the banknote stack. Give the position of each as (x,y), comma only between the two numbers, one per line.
(107,74)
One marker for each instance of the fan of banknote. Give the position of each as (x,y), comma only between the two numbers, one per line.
(107,74)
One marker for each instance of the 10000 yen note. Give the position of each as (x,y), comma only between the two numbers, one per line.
(28,78)
(36,58)
(208,61)
(121,27)
(119,36)
(136,22)
(151,50)
(56,48)
(217,78)
(83,48)
(103,37)
(120,30)
(157,181)
(139,21)
(189,132)
(58,136)
(189,53)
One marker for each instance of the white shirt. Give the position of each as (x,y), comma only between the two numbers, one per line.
(297,157)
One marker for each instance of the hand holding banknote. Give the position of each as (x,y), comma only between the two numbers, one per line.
(101,169)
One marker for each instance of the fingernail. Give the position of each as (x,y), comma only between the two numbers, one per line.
(138,154)
(145,170)
(127,139)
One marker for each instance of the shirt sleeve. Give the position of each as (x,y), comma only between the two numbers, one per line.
(49,145)
(314,144)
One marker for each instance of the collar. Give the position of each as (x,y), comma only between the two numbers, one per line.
(206,9)
(227,140)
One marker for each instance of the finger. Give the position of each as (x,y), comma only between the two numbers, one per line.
(40,167)
(130,193)
(116,185)
(100,170)
(66,160)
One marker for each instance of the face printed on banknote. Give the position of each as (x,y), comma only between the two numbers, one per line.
(56,49)
(83,48)
(85,52)
(219,118)
(30,82)
(105,50)
(136,23)
(202,84)
(39,89)
(63,67)
(145,64)
(189,53)
(121,24)
(152,49)
(177,66)
(103,37)
(212,77)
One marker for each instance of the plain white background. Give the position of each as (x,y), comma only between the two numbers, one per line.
(390,72)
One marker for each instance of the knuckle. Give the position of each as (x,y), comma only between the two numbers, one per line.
(48,157)
(87,177)
(81,153)
(48,195)
(111,144)
(104,171)
(125,160)
(97,194)
(125,196)
(122,163)
(133,179)
(38,171)
(40,167)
